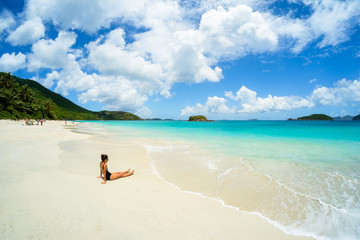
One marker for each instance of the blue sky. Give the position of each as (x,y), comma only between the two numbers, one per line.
(225,59)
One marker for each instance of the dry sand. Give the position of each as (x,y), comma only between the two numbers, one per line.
(49,190)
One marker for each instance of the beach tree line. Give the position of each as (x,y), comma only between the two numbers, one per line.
(25,98)
(19,101)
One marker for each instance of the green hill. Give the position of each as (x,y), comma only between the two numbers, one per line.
(357,117)
(116,115)
(316,117)
(64,108)
(34,106)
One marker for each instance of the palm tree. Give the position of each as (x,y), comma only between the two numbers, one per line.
(5,94)
(49,107)
(26,94)
(8,81)
(9,100)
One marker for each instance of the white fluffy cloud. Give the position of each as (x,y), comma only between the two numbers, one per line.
(214,105)
(70,77)
(331,22)
(12,62)
(49,79)
(6,20)
(53,54)
(177,48)
(81,14)
(127,77)
(30,31)
(247,101)
(236,32)
(343,92)
(116,93)
(179,41)
(111,58)
(92,15)
(58,56)
(339,17)
(189,54)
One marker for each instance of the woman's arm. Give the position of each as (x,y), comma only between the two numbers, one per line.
(103,170)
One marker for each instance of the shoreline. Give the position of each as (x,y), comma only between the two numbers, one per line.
(51,182)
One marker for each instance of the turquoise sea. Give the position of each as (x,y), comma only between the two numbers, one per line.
(302,176)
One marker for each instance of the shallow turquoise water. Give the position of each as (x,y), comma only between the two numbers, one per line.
(302,176)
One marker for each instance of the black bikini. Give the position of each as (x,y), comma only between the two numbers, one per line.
(108,174)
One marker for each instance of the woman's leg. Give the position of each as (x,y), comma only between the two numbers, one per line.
(115,176)
(123,172)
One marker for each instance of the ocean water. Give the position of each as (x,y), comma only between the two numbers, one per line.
(301,176)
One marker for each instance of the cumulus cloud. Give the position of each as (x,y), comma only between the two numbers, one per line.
(92,15)
(236,32)
(343,92)
(189,54)
(214,105)
(246,101)
(170,45)
(12,62)
(111,58)
(127,77)
(49,79)
(58,56)
(67,79)
(249,102)
(177,47)
(117,93)
(70,77)
(6,20)
(81,14)
(27,33)
(340,18)
(53,54)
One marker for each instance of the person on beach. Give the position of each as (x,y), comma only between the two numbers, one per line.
(111,176)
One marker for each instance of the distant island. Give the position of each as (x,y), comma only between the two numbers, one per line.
(158,119)
(116,115)
(153,119)
(323,117)
(23,98)
(199,118)
(313,117)
(344,118)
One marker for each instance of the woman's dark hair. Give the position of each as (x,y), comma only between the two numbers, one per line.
(104,157)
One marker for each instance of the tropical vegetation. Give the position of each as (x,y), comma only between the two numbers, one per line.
(316,117)
(198,118)
(117,115)
(23,98)
(19,101)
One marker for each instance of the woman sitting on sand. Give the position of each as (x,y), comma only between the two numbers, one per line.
(111,176)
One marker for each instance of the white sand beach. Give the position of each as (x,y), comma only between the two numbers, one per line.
(50,190)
